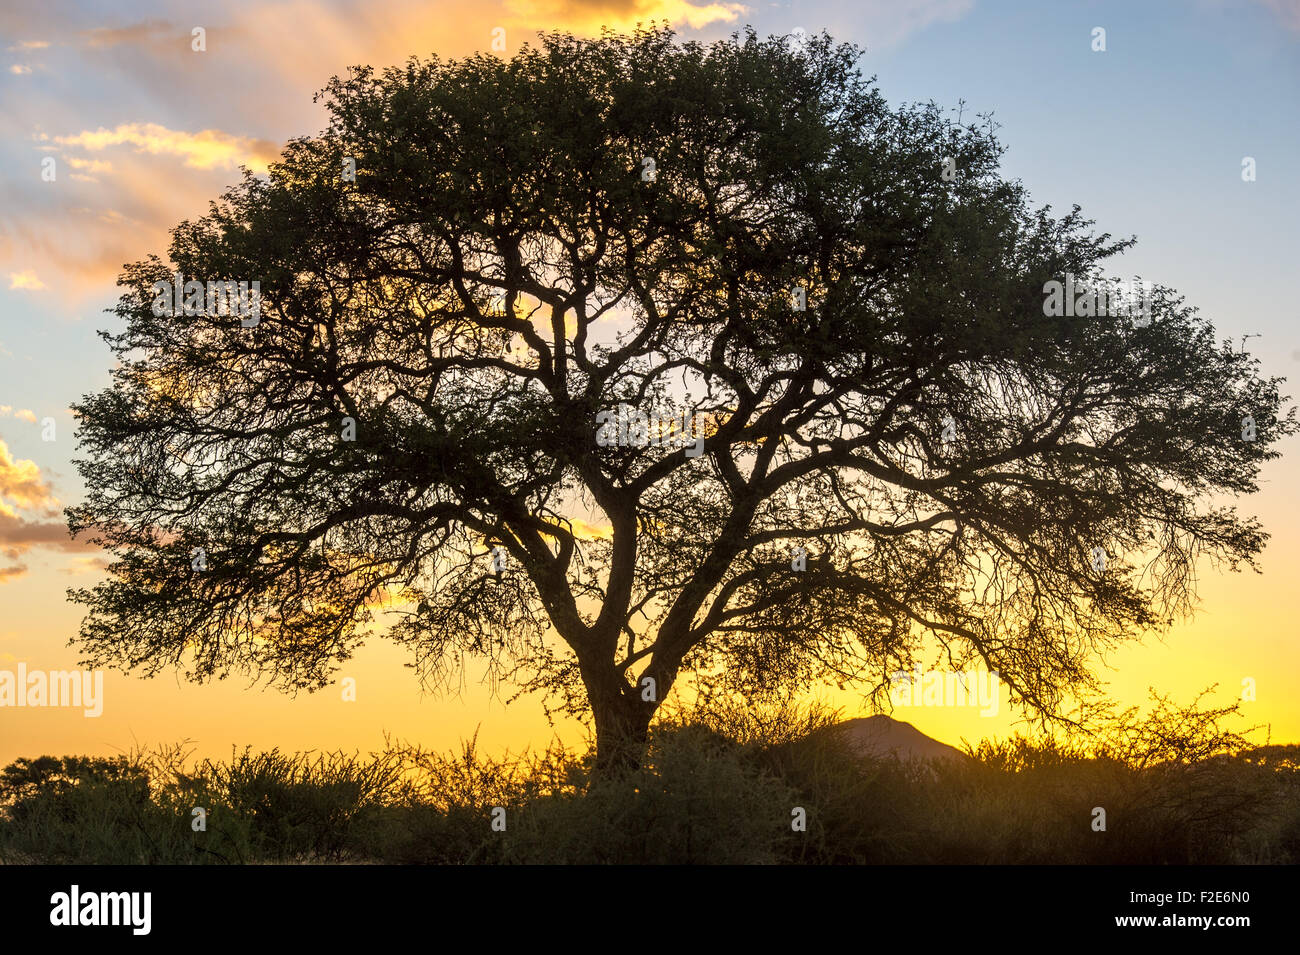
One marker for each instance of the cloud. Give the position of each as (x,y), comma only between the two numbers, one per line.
(88,253)
(25,280)
(28,45)
(82,233)
(21,485)
(87,565)
(623,14)
(137,34)
(18,535)
(18,69)
(23,488)
(12,573)
(207,149)
(26,414)
(90,165)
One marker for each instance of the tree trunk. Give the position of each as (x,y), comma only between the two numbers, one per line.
(622,729)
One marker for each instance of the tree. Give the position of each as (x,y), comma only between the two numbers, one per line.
(489,287)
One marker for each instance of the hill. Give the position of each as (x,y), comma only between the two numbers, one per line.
(882,735)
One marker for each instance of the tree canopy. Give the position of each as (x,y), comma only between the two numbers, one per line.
(492,292)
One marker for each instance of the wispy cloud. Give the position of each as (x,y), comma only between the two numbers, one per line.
(18,534)
(90,165)
(87,565)
(150,31)
(206,149)
(25,280)
(623,14)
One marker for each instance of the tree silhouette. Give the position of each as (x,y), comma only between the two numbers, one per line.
(490,287)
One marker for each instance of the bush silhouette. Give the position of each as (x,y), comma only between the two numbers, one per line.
(717,786)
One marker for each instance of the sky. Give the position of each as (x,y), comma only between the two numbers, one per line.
(1149,136)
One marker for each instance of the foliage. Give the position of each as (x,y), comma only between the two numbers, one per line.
(716,787)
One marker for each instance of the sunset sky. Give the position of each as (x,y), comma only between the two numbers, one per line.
(1148,137)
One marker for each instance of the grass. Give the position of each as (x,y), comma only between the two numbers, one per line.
(717,787)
